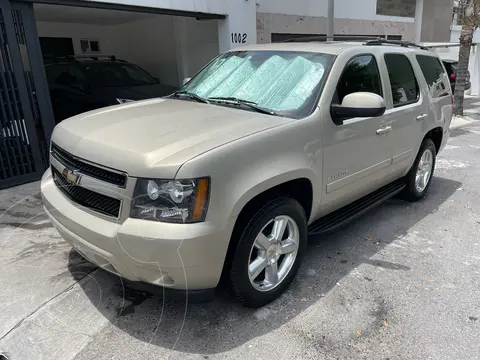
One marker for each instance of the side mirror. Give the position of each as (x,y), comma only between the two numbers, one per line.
(186,80)
(359,104)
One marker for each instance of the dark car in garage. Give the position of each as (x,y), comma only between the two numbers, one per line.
(80,84)
(451,67)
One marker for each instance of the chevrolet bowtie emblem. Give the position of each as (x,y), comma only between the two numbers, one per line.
(71,176)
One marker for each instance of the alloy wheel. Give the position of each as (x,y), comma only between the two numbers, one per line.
(273,253)
(424,170)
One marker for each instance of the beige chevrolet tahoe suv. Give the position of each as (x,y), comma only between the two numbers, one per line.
(226,178)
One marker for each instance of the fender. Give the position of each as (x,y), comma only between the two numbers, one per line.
(268,183)
(243,169)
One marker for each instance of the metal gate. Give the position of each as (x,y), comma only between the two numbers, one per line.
(26,119)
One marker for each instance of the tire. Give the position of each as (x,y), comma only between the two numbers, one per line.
(260,291)
(411,191)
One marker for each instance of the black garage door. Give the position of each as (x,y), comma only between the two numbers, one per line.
(26,119)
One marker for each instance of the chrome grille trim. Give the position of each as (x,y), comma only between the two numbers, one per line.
(114,177)
(97,202)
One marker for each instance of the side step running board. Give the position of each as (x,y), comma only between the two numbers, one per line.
(350,212)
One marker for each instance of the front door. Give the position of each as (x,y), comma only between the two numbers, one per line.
(357,153)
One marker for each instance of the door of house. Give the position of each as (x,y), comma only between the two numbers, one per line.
(26,119)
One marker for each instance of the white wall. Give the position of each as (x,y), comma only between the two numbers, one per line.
(205,6)
(344,9)
(197,43)
(152,44)
(149,44)
(310,17)
(455,34)
(202,43)
(77,32)
(241,20)
(474,64)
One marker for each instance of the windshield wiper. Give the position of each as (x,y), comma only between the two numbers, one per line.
(251,104)
(191,95)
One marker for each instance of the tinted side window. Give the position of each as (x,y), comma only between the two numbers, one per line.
(402,80)
(78,73)
(54,72)
(432,69)
(360,74)
(449,67)
(78,76)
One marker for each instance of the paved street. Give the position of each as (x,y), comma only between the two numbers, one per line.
(402,282)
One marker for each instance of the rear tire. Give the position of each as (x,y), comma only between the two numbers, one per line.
(269,252)
(420,175)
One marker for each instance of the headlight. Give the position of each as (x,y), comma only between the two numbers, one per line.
(123,101)
(179,201)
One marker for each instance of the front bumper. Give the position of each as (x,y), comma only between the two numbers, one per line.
(177,256)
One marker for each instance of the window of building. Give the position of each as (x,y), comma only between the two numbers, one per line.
(394,37)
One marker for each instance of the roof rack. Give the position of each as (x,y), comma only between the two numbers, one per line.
(382,41)
(55,59)
(76,58)
(96,57)
(324,38)
(369,40)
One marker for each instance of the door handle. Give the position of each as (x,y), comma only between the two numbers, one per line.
(384,130)
(422,117)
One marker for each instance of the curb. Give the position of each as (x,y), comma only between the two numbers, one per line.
(458,122)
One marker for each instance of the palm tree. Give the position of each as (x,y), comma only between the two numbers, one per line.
(470,11)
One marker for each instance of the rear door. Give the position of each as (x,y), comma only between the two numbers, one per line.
(438,90)
(407,111)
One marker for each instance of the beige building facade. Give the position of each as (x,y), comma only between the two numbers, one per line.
(394,19)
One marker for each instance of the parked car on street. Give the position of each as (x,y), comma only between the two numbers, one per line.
(80,84)
(223,181)
(451,66)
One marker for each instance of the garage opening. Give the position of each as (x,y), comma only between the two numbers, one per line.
(99,57)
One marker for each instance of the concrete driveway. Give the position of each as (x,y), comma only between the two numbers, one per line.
(402,282)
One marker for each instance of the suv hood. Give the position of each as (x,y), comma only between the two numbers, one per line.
(136,92)
(153,138)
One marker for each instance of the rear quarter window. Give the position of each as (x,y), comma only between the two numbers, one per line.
(403,82)
(433,71)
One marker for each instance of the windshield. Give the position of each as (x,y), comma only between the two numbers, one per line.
(285,82)
(118,74)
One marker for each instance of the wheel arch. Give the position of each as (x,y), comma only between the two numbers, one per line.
(300,188)
(436,135)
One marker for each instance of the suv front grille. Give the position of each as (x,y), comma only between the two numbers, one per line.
(87,198)
(99,173)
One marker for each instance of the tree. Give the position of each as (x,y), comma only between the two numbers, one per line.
(470,11)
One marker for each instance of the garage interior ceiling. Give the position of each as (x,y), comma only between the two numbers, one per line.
(85,15)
